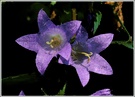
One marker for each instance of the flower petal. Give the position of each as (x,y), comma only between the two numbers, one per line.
(100,42)
(103,92)
(42,60)
(83,74)
(71,28)
(29,42)
(44,21)
(63,61)
(21,93)
(82,34)
(65,52)
(99,65)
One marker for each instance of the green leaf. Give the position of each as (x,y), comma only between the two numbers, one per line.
(62,92)
(128,45)
(124,43)
(53,3)
(97,22)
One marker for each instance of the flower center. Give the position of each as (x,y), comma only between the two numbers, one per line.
(77,55)
(54,42)
(87,55)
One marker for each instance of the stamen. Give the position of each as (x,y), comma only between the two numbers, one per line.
(50,43)
(54,42)
(87,55)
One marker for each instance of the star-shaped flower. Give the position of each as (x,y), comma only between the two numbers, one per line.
(50,41)
(85,55)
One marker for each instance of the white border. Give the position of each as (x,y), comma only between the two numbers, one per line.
(0,46)
(61,0)
(65,0)
(134,49)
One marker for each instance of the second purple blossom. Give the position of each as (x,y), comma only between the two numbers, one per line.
(85,55)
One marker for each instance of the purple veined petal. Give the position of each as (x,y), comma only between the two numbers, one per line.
(42,60)
(100,42)
(103,92)
(99,65)
(65,52)
(29,42)
(71,28)
(82,34)
(83,74)
(21,93)
(44,21)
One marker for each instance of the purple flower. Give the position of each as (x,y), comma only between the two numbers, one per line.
(50,41)
(103,92)
(85,55)
(21,93)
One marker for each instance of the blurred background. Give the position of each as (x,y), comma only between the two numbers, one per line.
(20,18)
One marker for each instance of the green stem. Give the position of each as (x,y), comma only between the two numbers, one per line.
(43,91)
(117,42)
(22,78)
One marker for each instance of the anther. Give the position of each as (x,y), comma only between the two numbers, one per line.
(54,42)
(87,55)
(50,43)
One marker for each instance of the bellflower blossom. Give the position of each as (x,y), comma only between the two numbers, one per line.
(50,41)
(85,55)
(103,92)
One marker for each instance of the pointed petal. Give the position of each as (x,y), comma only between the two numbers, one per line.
(65,52)
(29,42)
(63,61)
(42,60)
(44,21)
(83,74)
(100,42)
(99,65)
(103,92)
(82,34)
(71,28)
(21,93)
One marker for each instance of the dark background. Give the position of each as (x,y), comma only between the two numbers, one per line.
(17,60)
